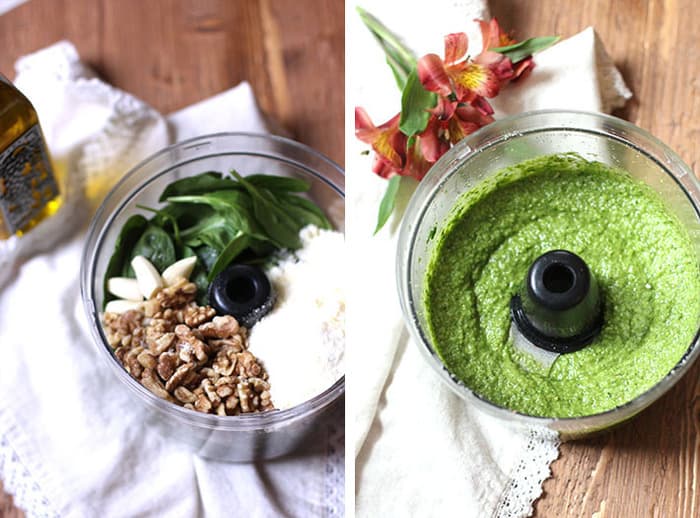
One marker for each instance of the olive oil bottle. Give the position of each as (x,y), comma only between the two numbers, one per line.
(28,187)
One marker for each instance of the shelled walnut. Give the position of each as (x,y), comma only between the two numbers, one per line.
(185,354)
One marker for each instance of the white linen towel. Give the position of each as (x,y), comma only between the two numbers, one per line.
(72,442)
(420,450)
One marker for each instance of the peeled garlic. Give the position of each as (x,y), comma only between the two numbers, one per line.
(122,306)
(182,268)
(147,276)
(124,288)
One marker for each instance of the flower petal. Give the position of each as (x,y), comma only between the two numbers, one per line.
(444,108)
(460,129)
(503,39)
(523,68)
(365,130)
(482,105)
(383,168)
(432,146)
(468,113)
(486,41)
(416,164)
(475,78)
(456,45)
(388,145)
(433,76)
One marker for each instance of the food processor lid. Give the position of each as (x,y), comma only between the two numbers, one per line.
(558,307)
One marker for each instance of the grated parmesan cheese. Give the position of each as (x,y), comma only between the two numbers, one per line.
(302,340)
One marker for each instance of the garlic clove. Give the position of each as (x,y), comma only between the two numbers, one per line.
(182,268)
(147,276)
(122,306)
(125,288)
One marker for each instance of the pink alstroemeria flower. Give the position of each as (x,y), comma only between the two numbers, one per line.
(493,36)
(387,141)
(464,78)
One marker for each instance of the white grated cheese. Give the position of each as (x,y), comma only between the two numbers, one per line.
(301,342)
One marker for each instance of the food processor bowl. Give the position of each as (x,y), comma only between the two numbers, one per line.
(508,142)
(228,438)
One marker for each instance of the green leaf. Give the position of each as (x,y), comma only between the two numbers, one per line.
(277,223)
(415,103)
(161,219)
(234,248)
(400,75)
(129,234)
(216,222)
(386,207)
(279,183)
(206,256)
(155,245)
(304,211)
(236,207)
(524,49)
(398,56)
(200,184)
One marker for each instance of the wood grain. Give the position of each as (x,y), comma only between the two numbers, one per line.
(648,467)
(172,53)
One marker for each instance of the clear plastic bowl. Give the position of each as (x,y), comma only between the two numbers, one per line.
(231,438)
(510,141)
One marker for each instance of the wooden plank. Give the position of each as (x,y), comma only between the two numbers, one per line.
(173,53)
(649,466)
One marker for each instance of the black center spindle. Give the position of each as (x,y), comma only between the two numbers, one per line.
(559,307)
(243,291)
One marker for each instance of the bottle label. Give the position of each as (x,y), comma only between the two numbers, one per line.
(27,182)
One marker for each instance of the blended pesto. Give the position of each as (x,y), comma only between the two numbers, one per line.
(640,253)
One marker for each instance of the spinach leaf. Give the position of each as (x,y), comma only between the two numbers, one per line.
(155,245)
(278,225)
(233,249)
(130,233)
(213,223)
(200,184)
(207,256)
(235,206)
(304,211)
(278,183)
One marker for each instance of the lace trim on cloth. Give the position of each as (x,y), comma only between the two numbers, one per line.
(525,481)
(334,479)
(18,481)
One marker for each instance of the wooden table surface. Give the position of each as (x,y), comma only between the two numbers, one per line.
(648,467)
(173,53)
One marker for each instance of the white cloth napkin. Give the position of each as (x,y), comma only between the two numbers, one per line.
(420,450)
(72,443)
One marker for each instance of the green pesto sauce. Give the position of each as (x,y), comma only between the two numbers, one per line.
(639,252)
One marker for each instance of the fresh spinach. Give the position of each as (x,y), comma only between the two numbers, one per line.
(276,222)
(201,184)
(218,219)
(278,183)
(304,211)
(129,234)
(155,245)
(234,248)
